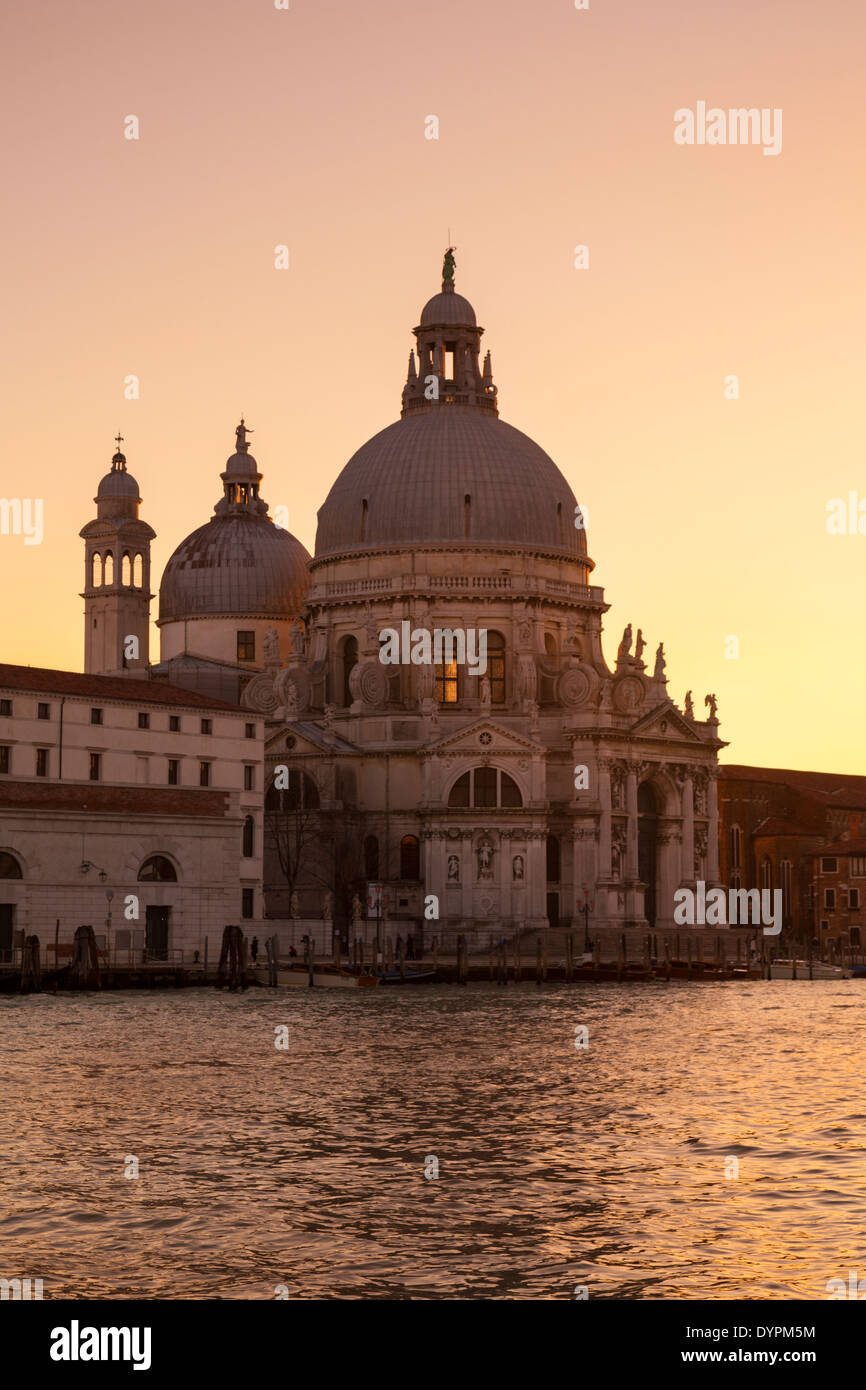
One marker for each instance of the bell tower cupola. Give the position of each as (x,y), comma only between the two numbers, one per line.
(449,346)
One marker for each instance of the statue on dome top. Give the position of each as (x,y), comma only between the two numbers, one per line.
(448,266)
(241,433)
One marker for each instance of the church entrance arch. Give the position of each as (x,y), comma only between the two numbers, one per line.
(647,846)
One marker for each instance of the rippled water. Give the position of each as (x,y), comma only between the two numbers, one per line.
(557,1167)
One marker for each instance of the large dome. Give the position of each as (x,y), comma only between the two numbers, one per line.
(235,565)
(410,483)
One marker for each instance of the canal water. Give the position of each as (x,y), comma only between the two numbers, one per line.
(707,1143)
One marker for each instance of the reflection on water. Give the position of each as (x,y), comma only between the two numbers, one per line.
(557,1167)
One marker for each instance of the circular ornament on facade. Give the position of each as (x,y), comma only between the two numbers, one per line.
(573,687)
(628,694)
(300,679)
(485,738)
(371,683)
(259,694)
(486,906)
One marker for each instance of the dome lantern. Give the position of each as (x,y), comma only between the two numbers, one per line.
(449,344)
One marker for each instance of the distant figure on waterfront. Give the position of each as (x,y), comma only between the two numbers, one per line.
(292,951)
(399,943)
(254,950)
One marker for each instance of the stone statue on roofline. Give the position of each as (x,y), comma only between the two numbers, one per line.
(448,266)
(659,672)
(690,705)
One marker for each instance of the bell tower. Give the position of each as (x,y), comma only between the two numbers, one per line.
(117,578)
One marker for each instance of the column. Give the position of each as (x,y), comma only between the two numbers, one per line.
(687,858)
(604,766)
(668,874)
(504,875)
(467,873)
(536,887)
(631,840)
(713,828)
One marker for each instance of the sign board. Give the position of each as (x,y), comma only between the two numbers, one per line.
(378,899)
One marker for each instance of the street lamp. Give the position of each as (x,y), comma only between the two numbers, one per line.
(585,908)
(109,893)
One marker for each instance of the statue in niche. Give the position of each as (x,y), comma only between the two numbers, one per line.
(532,711)
(292,701)
(659,672)
(327,907)
(453,868)
(625,645)
(485,859)
(296,637)
(517,868)
(272,647)
(486,694)
(357,910)
(617,849)
(295,907)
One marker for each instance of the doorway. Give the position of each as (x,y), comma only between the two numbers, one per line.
(647,847)
(7,928)
(553,909)
(156,932)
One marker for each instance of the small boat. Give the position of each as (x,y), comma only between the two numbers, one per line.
(858,972)
(800,970)
(409,977)
(297,976)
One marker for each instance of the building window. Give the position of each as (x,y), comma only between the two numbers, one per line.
(143,721)
(248,838)
(855,937)
(41,762)
(247,902)
(250,730)
(174,723)
(496,666)
(853,899)
(371,857)
(410,858)
(766,875)
(736,841)
(204,774)
(447,682)
(95,766)
(249,777)
(485,787)
(207,726)
(4,757)
(829,899)
(829,865)
(157,869)
(5,706)
(173,766)
(350,660)
(552,859)
(246,646)
(858,866)
(301,794)
(825,926)
(785,875)
(96,716)
(43,711)
(9,866)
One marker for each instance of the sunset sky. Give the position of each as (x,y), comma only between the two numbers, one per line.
(258,127)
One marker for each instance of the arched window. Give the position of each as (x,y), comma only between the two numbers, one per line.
(766,874)
(371,857)
(410,858)
(496,666)
(96,571)
(138,571)
(349,651)
(301,794)
(549,644)
(485,787)
(552,859)
(449,682)
(9,866)
(108,572)
(736,854)
(785,875)
(248,839)
(157,869)
(126,570)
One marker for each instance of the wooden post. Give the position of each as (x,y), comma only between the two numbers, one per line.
(309,953)
(492,966)
(677,947)
(518,960)
(667,957)
(205,960)
(569,958)
(649,952)
(689,971)
(538,960)
(401,959)
(434,950)
(596,956)
(503,961)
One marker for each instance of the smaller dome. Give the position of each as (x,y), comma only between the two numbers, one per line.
(448,308)
(118,483)
(242,466)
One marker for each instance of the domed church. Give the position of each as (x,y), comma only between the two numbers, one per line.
(512,786)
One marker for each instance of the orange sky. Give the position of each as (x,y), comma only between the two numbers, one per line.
(306,127)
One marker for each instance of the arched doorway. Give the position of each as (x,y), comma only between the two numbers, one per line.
(647,846)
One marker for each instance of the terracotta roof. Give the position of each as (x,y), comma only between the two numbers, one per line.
(843,847)
(43,680)
(122,802)
(832,788)
(778,825)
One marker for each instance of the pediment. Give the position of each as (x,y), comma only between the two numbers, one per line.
(676,725)
(468,740)
(309,738)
